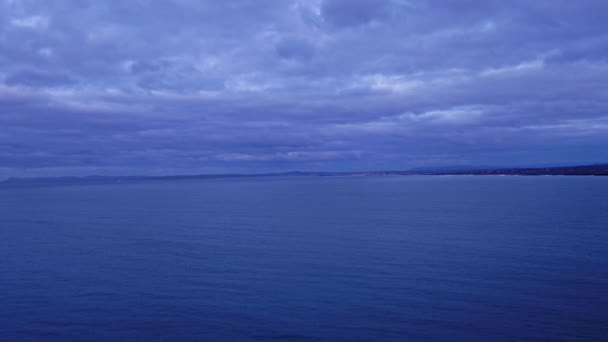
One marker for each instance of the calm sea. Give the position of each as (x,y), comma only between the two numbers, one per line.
(307,259)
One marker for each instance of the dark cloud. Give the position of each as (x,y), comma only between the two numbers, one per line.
(36,78)
(180,86)
(295,48)
(342,13)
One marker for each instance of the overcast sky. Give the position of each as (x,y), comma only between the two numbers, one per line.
(191,86)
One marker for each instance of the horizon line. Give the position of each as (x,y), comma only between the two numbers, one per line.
(430,170)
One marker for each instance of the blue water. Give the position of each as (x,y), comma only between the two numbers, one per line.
(298,259)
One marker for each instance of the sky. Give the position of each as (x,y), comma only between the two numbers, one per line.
(153,87)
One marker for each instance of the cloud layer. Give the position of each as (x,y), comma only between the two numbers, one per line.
(182,86)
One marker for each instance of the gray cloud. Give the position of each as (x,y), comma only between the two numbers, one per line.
(295,48)
(35,78)
(343,13)
(178,86)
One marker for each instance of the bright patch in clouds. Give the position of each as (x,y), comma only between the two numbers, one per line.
(35,22)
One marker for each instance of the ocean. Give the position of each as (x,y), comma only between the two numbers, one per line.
(394,258)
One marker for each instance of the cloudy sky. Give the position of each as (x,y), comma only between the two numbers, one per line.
(192,86)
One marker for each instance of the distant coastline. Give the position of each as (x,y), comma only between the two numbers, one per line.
(578,170)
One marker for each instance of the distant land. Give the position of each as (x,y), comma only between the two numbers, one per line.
(578,170)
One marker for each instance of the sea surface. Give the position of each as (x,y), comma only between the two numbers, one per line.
(395,258)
